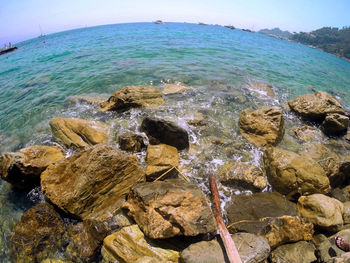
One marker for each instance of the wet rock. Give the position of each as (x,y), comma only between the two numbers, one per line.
(261,89)
(78,133)
(168,89)
(39,234)
(315,107)
(301,252)
(164,209)
(335,124)
(323,211)
(92,99)
(262,127)
(242,175)
(327,249)
(93,183)
(131,142)
(198,120)
(23,168)
(251,248)
(346,215)
(160,158)
(161,131)
(129,245)
(133,97)
(291,174)
(306,133)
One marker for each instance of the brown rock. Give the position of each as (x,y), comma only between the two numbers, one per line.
(290,173)
(129,245)
(262,127)
(133,97)
(323,211)
(198,120)
(169,208)
(78,133)
(168,89)
(23,168)
(335,124)
(306,133)
(346,215)
(85,239)
(315,107)
(93,183)
(242,175)
(161,131)
(160,158)
(262,89)
(92,99)
(131,142)
(39,234)
(301,252)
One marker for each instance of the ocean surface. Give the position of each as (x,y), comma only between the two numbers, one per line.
(39,81)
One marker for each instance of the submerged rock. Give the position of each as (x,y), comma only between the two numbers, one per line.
(315,107)
(23,168)
(262,127)
(133,97)
(168,89)
(161,131)
(130,245)
(261,89)
(78,133)
(323,211)
(160,158)
(242,175)
(39,234)
(306,133)
(291,174)
(301,252)
(198,120)
(169,208)
(93,183)
(131,142)
(251,248)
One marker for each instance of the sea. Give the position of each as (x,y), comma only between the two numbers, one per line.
(46,76)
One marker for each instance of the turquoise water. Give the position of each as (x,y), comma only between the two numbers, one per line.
(38,80)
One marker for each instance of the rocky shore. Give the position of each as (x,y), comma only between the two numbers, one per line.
(102,203)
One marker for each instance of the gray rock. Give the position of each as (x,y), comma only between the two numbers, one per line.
(301,252)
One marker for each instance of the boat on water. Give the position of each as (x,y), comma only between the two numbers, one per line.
(7,50)
(158,22)
(202,24)
(248,30)
(230,27)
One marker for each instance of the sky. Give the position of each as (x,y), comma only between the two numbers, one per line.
(22,19)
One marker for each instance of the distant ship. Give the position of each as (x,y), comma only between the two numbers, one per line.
(202,24)
(230,27)
(41,32)
(158,22)
(248,30)
(7,50)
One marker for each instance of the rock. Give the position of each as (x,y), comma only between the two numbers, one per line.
(301,252)
(251,248)
(51,260)
(133,97)
(129,245)
(262,89)
(344,258)
(38,234)
(198,120)
(23,168)
(327,248)
(160,158)
(165,209)
(131,142)
(78,133)
(243,175)
(161,131)
(168,89)
(93,183)
(306,133)
(262,127)
(323,211)
(347,137)
(291,174)
(92,99)
(85,239)
(335,124)
(346,215)
(315,107)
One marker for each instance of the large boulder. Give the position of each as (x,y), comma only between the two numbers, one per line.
(315,107)
(161,131)
(93,183)
(335,124)
(291,174)
(131,142)
(130,245)
(242,175)
(262,127)
(160,158)
(251,248)
(23,168)
(170,208)
(301,252)
(78,133)
(133,97)
(38,234)
(323,211)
